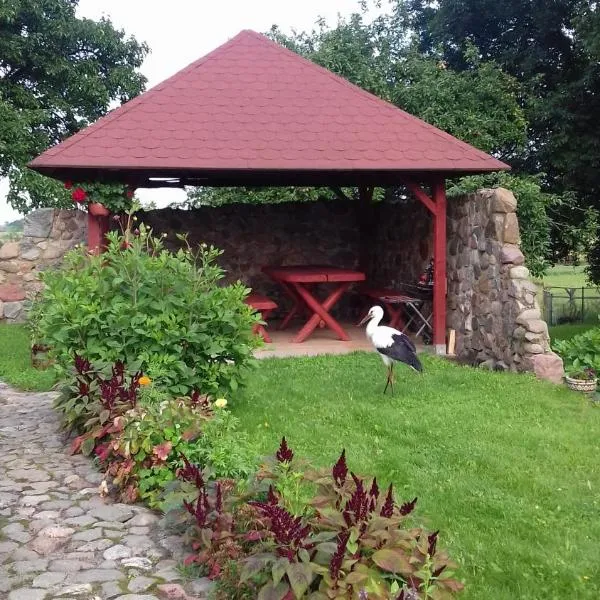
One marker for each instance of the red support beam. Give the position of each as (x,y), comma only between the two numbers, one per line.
(97,229)
(439,266)
(420,195)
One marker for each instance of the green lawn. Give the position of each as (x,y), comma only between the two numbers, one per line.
(505,466)
(15,361)
(566,276)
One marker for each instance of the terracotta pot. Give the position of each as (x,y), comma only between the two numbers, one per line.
(587,386)
(98,210)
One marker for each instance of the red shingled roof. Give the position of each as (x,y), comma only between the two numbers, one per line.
(252,107)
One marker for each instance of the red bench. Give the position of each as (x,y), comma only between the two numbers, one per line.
(265,306)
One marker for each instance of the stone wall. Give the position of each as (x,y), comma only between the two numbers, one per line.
(48,234)
(492,303)
(253,236)
(391,242)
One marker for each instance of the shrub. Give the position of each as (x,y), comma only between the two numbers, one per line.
(580,352)
(139,436)
(140,304)
(350,540)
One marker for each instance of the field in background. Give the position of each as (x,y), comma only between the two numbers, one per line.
(567,297)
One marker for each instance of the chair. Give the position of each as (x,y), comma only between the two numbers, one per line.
(265,306)
(400,304)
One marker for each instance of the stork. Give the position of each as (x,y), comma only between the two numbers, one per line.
(392,345)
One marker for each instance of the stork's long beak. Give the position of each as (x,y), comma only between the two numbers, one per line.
(364,320)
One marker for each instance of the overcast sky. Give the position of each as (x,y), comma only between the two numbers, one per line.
(180,31)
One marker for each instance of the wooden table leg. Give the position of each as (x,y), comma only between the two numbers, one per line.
(396,320)
(296,307)
(321,311)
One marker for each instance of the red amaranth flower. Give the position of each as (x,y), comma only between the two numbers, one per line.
(289,533)
(68,185)
(285,453)
(359,507)
(335,564)
(340,470)
(79,195)
(387,510)
(408,507)
(191,473)
(82,365)
(200,510)
(374,491)
(432,539)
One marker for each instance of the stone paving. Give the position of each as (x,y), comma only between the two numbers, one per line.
(59,538)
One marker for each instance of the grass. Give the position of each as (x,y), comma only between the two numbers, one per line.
(566,307)
(569,330)
(566,276)
(15,361)
(504,465)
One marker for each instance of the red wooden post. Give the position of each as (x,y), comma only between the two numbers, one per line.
(439,266)
(97,229)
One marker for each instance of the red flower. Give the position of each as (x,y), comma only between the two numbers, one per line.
(79,195)
(340,469)
(129,193)
(68,185)
(285,453)
(408,507)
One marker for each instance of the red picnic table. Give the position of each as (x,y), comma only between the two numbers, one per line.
(296,281)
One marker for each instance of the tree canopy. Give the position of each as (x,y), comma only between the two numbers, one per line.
(553,51)
(58,73)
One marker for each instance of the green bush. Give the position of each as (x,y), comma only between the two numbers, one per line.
(139,435)
(142,305)
(581,351)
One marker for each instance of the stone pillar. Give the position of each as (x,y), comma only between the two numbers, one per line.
(492,304)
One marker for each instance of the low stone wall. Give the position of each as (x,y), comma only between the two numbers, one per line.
(48,234)
(492,304)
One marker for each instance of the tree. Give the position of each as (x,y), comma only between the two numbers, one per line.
(58,73)
(553,50)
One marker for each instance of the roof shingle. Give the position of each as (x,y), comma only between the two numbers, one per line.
(254,105)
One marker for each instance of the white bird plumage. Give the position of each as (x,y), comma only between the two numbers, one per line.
(391,344)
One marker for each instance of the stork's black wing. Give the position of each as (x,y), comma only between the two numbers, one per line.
(403,350)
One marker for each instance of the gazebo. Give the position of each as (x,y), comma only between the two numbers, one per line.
(252,113)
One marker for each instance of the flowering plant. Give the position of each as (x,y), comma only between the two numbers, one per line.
(350,540)
(583,374)
(116,198)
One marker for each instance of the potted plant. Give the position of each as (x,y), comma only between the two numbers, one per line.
(584,380)
(102,199)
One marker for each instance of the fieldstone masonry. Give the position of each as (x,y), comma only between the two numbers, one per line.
(492,303)
(47,236)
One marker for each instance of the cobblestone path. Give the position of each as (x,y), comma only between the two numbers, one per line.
(58,537)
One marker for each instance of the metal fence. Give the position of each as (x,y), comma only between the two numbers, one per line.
(571,305)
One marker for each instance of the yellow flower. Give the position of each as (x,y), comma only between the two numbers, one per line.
(221,403)
(144,380)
